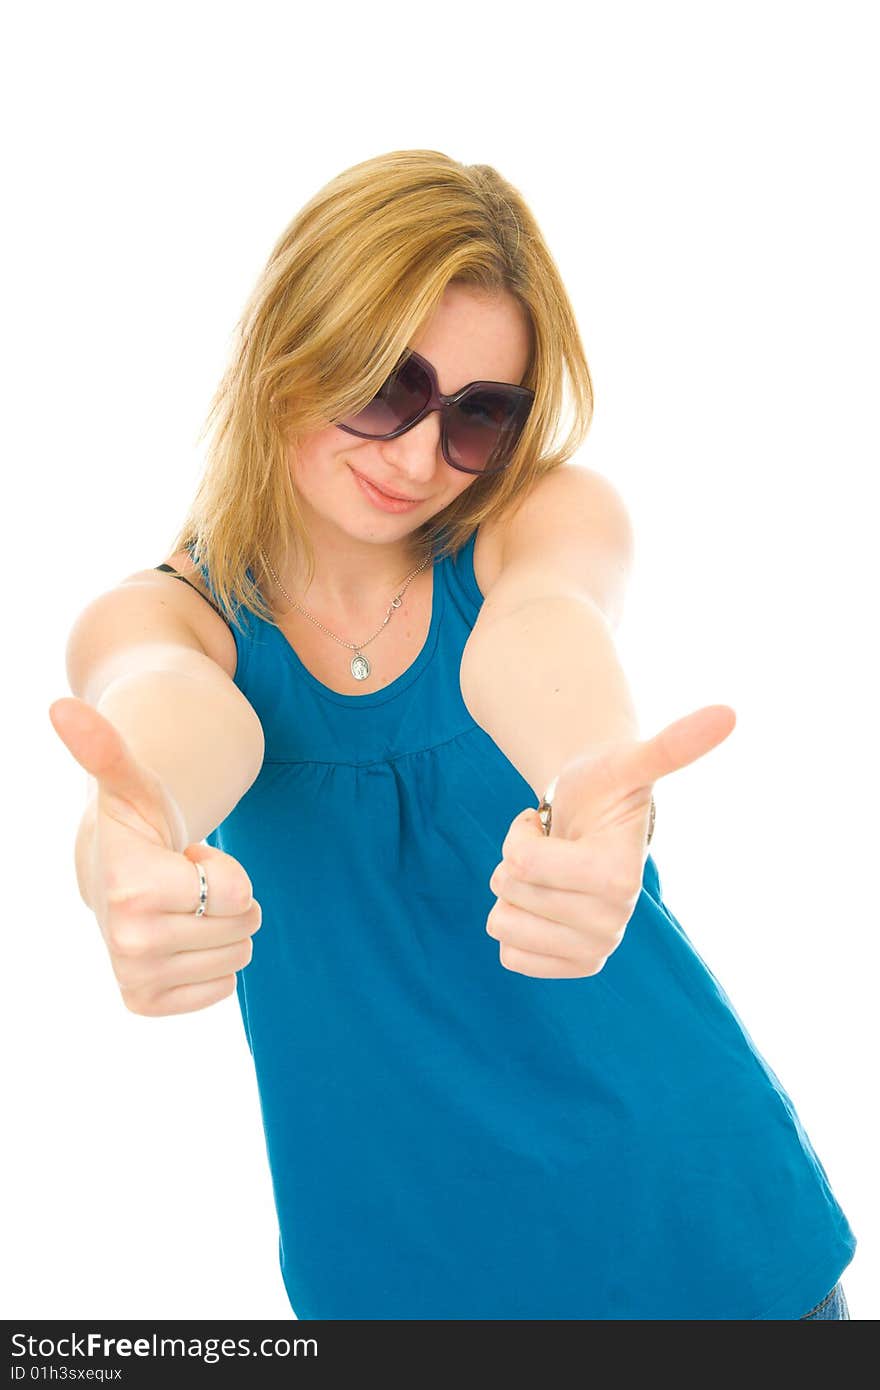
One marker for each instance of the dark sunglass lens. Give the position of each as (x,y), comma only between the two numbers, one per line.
(398,400)
(484,428)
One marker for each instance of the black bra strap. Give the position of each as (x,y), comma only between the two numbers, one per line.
(171,570)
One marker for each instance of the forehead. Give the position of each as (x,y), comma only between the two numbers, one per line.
(475,336)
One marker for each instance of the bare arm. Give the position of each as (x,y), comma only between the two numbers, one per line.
(135,657)
(193,727)
(540,671)
(544,681)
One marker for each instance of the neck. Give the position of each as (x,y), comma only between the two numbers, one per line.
(354,580)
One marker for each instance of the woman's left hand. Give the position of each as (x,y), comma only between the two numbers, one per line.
(564,899)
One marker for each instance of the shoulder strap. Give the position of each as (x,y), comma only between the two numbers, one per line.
(172,570)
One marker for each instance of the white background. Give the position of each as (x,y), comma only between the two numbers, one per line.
(705,176)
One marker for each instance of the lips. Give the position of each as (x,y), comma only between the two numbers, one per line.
(396,495)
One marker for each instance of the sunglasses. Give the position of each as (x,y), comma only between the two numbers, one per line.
(481,423)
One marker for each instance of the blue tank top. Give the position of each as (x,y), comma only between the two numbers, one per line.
(448,1139)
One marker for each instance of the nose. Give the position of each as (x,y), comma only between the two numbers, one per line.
(417,452)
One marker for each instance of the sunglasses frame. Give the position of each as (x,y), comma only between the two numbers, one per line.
(438,401)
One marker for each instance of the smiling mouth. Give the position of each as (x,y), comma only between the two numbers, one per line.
(394,495)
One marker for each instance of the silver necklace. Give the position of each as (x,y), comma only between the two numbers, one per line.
(360,666)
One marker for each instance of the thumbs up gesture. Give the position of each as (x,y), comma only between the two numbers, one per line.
(564,899)
(138,875)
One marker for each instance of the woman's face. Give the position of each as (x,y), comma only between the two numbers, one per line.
(471,337)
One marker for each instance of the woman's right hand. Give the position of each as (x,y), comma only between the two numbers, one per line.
(143,889)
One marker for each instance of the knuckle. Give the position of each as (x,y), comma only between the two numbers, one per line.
(507,957)
(127,939)
(630,887)
(593,965)
(119,891)
(496,919)
(242,895)
(123,936)
(137,1001)
(128,976)
(617,883)
(519,865)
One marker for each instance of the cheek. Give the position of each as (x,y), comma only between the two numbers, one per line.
(462,482)
(312,463)
(453,488)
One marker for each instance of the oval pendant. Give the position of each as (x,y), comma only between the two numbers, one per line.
(360,667)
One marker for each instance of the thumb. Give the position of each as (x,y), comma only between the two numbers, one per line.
(122,780)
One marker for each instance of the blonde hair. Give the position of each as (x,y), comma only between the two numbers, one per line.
(352,278)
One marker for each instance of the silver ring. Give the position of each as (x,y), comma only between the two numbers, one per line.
(203,890)
(545,809)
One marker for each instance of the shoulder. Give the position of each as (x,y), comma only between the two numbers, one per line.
(572,517)
(212,630)
(591,496)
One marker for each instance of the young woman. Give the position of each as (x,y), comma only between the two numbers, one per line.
(497,1080)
